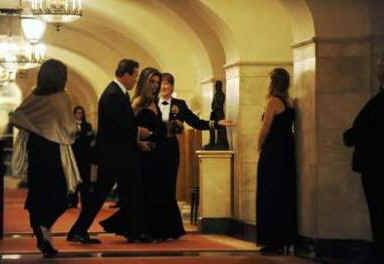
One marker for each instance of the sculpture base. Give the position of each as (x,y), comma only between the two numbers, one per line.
(216,147)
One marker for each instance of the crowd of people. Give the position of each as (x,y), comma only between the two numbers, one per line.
(135,147)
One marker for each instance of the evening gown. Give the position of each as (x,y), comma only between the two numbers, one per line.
(162,215)
(47,188)
(161,210)
(276,183)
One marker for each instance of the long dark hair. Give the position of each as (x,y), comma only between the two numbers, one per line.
(279,83)
(79,107)
(52,78)
(141,86)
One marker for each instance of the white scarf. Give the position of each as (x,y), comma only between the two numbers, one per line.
(50,117)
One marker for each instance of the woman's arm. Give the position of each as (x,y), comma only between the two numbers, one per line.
(267,121)
(136,104)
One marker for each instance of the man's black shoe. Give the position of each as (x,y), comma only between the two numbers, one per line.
(116,205)
(146,239)
(139,239)
(84,239)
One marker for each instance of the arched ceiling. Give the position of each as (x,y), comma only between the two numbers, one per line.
(193,39)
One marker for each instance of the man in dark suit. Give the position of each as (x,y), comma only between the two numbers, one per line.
(176,111)
(367,136)
(117,151)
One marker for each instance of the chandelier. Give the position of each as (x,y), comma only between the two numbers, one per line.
(6,76)
(57,11)
(18,51)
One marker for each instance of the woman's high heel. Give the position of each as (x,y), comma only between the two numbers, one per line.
(47,249)
(43,244)
(272,250)
(289,249)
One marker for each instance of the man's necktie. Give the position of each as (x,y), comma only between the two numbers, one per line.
(164,103)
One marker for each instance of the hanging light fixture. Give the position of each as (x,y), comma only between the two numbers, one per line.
(15,52)
(33,28)
(6,76)
(57,11)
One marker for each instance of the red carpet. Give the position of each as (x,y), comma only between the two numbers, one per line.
(16,219)
(254,259)
(110,243)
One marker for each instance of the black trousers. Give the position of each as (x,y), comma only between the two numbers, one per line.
(106,179)
(83,188)
(373,189)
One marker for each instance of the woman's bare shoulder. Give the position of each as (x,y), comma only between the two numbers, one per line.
(291,102)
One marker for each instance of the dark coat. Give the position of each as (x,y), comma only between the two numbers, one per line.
(184,114)
(367,135)
(116,140)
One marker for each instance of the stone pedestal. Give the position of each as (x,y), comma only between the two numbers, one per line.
(216,190)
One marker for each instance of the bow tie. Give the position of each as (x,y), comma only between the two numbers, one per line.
(165,103)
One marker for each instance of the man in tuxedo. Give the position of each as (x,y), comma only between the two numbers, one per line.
(176,111)
(117,151)
(367,136)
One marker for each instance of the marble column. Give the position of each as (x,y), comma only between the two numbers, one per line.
(246,90)
(333,82)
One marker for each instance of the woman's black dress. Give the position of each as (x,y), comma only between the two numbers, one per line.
(162,212)
(47,188)
(162,215)
(276,183)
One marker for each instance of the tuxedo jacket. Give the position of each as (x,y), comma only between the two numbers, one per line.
(367,135)
(184,114)
(116,140)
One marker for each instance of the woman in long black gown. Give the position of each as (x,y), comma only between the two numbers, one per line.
(43,151)
(148,115)
(161,209)
(276,173)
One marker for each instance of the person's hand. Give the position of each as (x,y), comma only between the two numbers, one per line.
(145,146)
(179,123)
(144,132)
(226,123)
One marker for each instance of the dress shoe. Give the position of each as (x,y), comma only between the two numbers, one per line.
(132,240)
(272,250)
(159,240)
(43,243)
(146,239)
(139,239)
(72,205)
(47,249)
(116,205)
(84,239)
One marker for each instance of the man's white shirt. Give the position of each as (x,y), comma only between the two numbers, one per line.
(165,109)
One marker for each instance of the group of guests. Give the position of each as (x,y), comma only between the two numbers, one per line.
(136,148)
